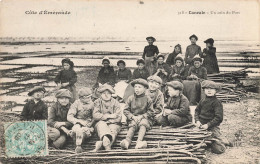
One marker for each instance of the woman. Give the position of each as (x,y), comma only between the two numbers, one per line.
(171,57)
(210,60)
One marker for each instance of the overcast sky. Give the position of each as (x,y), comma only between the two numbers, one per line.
(130,19)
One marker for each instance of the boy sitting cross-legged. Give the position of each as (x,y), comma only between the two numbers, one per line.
(80,115)
(139,112)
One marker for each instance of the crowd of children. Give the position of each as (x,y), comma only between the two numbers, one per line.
(158,99)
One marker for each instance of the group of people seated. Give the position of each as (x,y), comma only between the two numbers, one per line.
(78,115)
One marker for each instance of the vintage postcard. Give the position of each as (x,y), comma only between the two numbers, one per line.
(129,81)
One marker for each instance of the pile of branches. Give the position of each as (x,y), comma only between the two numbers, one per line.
(228,77)
(165,144)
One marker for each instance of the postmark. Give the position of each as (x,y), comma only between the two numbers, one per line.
(26,138)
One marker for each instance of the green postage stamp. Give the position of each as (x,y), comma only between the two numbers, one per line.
(26,139)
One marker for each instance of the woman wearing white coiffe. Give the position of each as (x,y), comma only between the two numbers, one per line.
(123,77)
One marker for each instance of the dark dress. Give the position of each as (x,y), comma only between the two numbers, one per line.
(34,111)
(171,58)
(210,60)
(149,53)
(200,72)
(124,74)
(166,68)
(68,76)
(179,71)
(106,75)
(144,74)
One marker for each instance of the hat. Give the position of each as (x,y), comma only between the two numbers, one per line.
(176,85)
(197,58)
(106,59)
(140,81)
(120,61)
(209,84)
(85,91)
(155,78)
(105,87)
(210,41)
(67,60)
(178,58)
(140,61)
(150,37)
(160,56)
(36,89)
(193,36)
(63,93)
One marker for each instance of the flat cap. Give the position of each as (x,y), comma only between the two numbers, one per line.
(193,36)
(150,37)
(105,87)
(209,84)
(140,81)
(85,91)
(155,78)
(140,61)
(36,89)
(63,93)
(197,58)
(176,85)
(210,40)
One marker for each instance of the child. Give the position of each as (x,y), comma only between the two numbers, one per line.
(197,72)
(108,115)
(58,126)
(123,73)
(80,115)
(150,53)
(156,95)
(141,71)
(139,112)
(209,115)
(210,60)
(67,78)
(35,109)
(192,50)
(177,110)
(106,73)
(178,70)
(171,57)
(162,69)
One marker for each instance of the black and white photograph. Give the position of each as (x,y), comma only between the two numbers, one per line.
(129,81)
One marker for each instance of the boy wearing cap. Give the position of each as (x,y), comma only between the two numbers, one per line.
(67,78)
(80,115)
(150,53)
(209,115)
(156,95)
(108,115)
(192,50)
(35,109)
(178,70)
(139,112)
(177,110)
(209,55)
(58,126)
(197,72)
(141,71)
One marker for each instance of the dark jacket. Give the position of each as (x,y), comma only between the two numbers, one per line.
(209,111)
(200,72)
(171,59)
(191,51)
(179,106)
(179,71)
(150,51)
(158,100)
(144,74)
(210,60)
(124,74)
(106,75)
(32,111)
(139,105)
(65,76)
(58,113)
(166,68)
